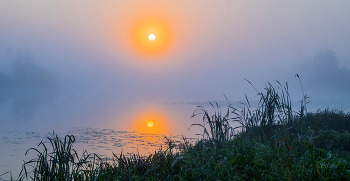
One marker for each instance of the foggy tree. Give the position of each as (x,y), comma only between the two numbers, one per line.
(326,73)
(27,74)
(325,60)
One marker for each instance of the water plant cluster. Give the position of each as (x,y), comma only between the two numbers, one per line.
(273,142)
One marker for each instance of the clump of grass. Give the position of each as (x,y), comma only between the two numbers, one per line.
(220,129)
(281,143)
(160,165)
(63,163)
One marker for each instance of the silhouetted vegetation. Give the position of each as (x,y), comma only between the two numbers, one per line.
(273,142)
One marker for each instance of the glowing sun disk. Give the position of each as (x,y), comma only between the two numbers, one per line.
(152,37)
(150,123)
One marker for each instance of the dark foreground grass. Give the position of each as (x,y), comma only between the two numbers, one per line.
(273,143)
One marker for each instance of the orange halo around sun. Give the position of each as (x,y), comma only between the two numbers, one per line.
(143,30)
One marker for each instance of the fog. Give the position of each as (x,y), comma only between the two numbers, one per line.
(68,64)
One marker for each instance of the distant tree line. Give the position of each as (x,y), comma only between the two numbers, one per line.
(27,74)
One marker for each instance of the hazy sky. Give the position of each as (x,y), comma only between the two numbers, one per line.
(84,47)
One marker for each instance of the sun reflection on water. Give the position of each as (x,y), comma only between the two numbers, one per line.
(151,122)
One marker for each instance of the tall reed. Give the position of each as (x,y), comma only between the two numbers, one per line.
(63,163)
(274,109)
(220,129)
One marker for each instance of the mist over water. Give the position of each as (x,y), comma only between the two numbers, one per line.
(69,64)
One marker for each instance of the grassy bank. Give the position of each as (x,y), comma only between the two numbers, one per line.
(273,142)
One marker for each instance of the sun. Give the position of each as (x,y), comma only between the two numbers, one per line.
(150,123)
(152,37)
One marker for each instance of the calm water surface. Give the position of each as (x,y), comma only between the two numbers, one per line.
(99,127)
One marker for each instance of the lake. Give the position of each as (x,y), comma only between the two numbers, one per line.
(100,126)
